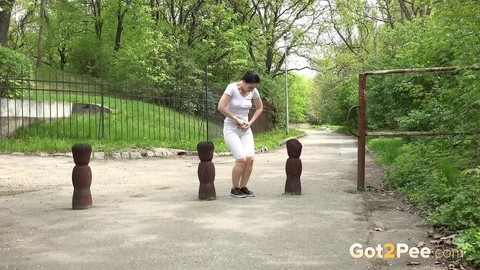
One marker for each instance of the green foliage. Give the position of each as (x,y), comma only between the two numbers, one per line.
(336,99)
(86,56)
(469,242)
(431,172)
(272,92)
(64,29)
(387,149)
(299,97)
(458,31)
(15,72)
(426,101)
(460,212)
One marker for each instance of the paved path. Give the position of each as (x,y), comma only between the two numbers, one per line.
(146,215)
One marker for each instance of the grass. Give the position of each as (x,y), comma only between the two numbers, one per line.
(49,78)
(131,123)
(386,149)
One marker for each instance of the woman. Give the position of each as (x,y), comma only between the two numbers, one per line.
(235,104)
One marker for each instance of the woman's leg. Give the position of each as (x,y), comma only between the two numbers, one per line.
(238,171)
(249,148)
(234,143)
(247,171)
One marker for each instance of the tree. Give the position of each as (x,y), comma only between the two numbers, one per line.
(43,20)
(95,8)
(64,28)
(5,14)
(123,6)
(270,21)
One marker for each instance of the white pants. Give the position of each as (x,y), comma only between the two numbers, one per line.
(240,142)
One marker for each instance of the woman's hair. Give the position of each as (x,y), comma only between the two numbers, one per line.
(251,77)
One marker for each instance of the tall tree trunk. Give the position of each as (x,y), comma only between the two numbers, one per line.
(43,19)
(5,14)
(121,11)
(118,35)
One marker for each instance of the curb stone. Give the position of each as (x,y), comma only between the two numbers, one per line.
(153,153)
(135,155)
(125,155)
(99,155)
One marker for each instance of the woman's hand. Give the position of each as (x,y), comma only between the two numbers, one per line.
(246,125)
(242,124)
(239,121)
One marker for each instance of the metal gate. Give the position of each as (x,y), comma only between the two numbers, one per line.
(362,115)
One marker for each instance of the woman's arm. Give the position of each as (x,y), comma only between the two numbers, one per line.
(258,109)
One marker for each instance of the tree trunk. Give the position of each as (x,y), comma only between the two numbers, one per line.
(154,6)
(5,14)
(96,6)
(405,10)
(43,19)
(118,35)
(269,59)
(63,56)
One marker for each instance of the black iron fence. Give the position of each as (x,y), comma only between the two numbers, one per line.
(62,106)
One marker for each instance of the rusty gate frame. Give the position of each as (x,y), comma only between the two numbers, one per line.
(362,112)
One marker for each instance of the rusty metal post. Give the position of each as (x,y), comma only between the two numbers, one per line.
(362,124)
(81,176)
(293,168)
(206,171)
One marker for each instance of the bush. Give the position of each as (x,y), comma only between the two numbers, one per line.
(463,211)
(469,242)
(387,148)
(14,68)
(434,173)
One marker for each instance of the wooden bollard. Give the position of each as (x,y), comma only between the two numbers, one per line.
(293,167)
(206,171)
(81,176)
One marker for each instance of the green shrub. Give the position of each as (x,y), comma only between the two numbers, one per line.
(14,69)
(463,211)
(387,148)
(335,99)
(469,242)
(433,174)
(88,58)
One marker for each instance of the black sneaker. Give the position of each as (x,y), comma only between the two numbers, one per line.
(247,192)
(236,192)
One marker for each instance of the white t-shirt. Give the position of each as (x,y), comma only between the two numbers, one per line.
(239,105)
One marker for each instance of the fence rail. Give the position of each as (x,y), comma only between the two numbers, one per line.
(88,110)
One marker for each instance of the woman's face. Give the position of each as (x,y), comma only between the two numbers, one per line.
(248,87)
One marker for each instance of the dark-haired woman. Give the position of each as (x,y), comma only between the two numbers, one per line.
(235,104)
